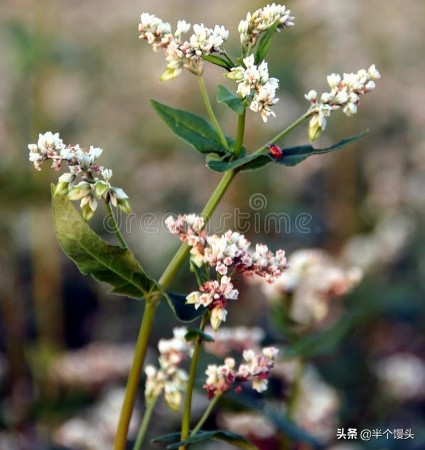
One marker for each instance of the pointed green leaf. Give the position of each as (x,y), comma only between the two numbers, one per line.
(249,162)
(291,156)
(226,436)
(94,256)
(264,43)
(294,155)
(217,61)
(193,129)
(194,332)
(229,98)
(183,312)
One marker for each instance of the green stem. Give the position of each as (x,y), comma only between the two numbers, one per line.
(206,414)
(145,423)
(239,136)
(165,280)
(283,133)
(210,111)
(134,376)
(295,389)
(191,384)
(115,225)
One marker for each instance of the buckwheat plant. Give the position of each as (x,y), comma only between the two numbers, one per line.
(219,263)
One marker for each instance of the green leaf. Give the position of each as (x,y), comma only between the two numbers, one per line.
(194,332)
(202,436)
(183,312)
(250,162)
(294,155)
(264,43)
(193,129)
(291,156)
(229,98)
(94,256)
(166,437)
(217,61)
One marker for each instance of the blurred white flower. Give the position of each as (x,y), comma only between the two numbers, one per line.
(236,339)
(95,428)
(316,404)
(93,366)
(312,280)
(402,375)
(169,377)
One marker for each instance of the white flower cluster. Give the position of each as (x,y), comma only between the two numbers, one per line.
(315,407)
(181,53)
(255,368)
(345,93)
(312,280)
(93,366)
(169,378)
(263,19)
(236,339)
(229,253)
(95,178)
(254,82)
(95,427)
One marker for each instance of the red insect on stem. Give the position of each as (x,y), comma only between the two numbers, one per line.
(275,151)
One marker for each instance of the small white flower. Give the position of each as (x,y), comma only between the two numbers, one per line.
(49,142)
(311,96)
(106,174)
(94,153)
(333,80)
(182,28)
(373,73)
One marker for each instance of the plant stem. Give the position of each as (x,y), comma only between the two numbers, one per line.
(145,423)
(115,225)
(134,376)
(283,133)
(206,414)
(165,280)
(239,136)
(191,384)
(295,389)
(210,111)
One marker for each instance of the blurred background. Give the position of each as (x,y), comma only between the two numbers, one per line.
(79,68)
